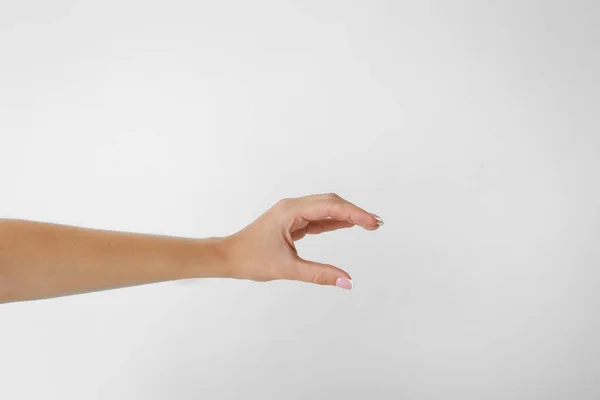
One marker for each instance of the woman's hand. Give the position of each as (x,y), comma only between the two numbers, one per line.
(265,251)
(42,260)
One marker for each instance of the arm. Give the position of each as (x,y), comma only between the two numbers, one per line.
(41,260)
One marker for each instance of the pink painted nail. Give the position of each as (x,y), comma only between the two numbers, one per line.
(344,283)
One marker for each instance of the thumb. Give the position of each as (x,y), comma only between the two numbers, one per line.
(322,274)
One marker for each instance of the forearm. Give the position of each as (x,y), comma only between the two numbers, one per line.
(41,260)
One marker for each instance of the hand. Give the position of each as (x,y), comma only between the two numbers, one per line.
(265,250)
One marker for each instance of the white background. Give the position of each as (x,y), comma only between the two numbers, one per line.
(471,129)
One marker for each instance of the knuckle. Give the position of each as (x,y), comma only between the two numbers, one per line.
(332,197)
(318,278)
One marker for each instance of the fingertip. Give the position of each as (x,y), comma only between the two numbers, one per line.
(378,220)
(344,283)
(323,274)
(369,221)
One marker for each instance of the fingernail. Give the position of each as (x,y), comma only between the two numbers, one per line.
(344,283)
(378,218)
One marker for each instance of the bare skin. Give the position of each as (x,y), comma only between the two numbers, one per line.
(42,260)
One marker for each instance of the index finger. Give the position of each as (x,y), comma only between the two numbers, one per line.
(331,205)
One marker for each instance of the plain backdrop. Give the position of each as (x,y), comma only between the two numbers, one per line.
(471,127)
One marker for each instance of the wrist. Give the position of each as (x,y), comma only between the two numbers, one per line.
(213,258)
